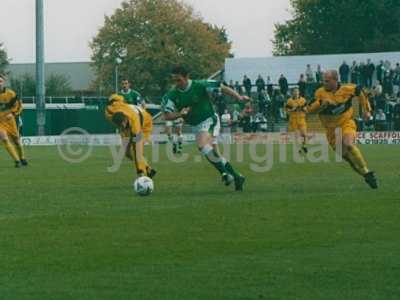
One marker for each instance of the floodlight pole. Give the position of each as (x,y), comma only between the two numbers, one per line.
(40,76)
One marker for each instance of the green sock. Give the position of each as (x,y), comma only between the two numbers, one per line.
(231,170)
(214,159)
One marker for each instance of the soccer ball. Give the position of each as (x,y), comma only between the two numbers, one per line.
(143,186)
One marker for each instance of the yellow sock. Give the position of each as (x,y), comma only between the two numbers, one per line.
(20,150)
(346,158)
(355,156)
(11,150)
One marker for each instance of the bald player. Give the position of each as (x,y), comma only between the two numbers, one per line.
(10,109)
(135,125)
(334,104)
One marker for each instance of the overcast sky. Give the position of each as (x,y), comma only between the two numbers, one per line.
(70,25)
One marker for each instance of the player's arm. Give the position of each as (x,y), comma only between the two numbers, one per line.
(226,90)
(365,104)
(16,109)
(318,105)
(169,109)
(14,105)
(290,106)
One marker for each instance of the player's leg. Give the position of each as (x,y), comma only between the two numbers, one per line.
(303,136)
(147,132)
(171,138)
(20,149)
(238,178)
(9,146)
(204,140)
(179,135)
(353,155)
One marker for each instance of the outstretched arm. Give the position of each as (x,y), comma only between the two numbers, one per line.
(230,92)
(365,105)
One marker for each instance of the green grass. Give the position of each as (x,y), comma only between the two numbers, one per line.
(301,231)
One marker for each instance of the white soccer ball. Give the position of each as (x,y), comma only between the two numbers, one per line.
(143,186)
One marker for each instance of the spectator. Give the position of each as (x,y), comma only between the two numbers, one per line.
(235,116)
(270,87)
(396,115)
(263,102)
(277,105)
(344,72)
(380,70)
(309,74)
(388,65)
(380,121)
(355,73)
(231,84)
(260,83)
(238,88)
(246,118)
(387,84)
(247,85)
(319,74)
(363,74)
(284,85)
(302,85)
(226,119)
(309,81)
(220,102)
(260,122)
(370,70)
(397,69)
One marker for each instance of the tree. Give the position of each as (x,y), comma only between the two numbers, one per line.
(150,36)
(58,85)
(25,85)
(339,26)
(3,59)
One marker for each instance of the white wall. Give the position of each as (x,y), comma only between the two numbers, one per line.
(293,66)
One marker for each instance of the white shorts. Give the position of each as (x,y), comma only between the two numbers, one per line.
(211,125)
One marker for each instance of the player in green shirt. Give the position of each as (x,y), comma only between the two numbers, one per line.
(192,101)
(131,96)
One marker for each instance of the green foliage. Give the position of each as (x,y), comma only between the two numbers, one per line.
(339,26)
(56,85)
(3,59)
(25,86)
(150,36)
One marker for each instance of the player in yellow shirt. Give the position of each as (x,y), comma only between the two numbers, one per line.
(334,104)
(135,126)
(10,109)
(297,118)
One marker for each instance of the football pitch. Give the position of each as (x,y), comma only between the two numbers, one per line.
(300,231)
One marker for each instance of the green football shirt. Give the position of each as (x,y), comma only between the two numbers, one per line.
(197,96)
(131,96)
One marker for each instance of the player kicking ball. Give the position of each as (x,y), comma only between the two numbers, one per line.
(10,109)
(297,119)
(135,126)
(334,104)
(191,100)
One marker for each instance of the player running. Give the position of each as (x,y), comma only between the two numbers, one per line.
(334,104)
(297,120)
(191,100)
(135,126)
(176,138)
(10,109)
